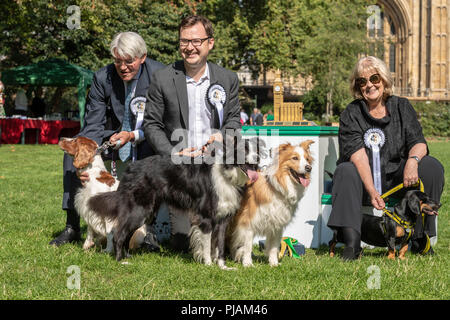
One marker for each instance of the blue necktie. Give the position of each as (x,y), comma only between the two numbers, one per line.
(125,151)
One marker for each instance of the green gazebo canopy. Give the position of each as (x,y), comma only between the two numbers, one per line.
(52,73)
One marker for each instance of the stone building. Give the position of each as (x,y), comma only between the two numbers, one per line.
(416,40)
(416,44)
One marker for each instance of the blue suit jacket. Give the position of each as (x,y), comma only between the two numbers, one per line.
(104,115)
(105,105)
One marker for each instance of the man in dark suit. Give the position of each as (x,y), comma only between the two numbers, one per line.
(109,116)
(190,104)
(191,94)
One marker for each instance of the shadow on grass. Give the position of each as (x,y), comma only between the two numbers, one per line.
(324,250)
(80,242)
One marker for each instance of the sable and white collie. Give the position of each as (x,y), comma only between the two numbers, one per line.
(269,204)
(87,158)
(209,192)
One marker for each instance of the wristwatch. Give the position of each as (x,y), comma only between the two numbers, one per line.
(415,157)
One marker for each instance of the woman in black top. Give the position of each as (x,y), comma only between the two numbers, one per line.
(381,144)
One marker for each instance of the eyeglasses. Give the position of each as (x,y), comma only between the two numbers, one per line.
(128,62)
(374,79)
(195,42)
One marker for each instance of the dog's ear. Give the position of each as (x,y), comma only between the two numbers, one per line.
(305,144)
(68,145)
(85,153)
(274,152)
(413,198)
(284,146)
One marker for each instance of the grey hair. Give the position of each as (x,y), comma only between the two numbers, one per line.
(378,66)
(128,44)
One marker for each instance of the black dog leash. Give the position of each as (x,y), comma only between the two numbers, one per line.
(104,149)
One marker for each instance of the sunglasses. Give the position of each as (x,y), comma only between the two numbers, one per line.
(374,79)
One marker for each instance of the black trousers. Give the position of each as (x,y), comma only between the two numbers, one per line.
(349,194)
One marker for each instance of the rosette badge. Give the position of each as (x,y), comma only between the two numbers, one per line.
(217,97)
(137,105)
(374,139)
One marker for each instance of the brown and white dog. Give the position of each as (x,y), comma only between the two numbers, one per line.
(269,204)
(86,158)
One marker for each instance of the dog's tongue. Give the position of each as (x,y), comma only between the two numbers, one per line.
(305,182)
(253,175)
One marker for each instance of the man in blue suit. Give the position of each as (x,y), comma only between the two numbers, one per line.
(109,117)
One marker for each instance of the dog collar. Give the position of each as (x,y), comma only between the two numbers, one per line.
(104,147)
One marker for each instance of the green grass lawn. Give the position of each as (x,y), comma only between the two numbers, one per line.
(30,216)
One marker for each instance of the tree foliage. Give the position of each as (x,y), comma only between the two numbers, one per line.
(34,30)
(320,39)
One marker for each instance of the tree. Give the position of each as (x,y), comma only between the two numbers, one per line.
(34,30)
(318,39)
(332,47)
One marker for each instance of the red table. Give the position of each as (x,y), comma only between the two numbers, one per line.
(48,131)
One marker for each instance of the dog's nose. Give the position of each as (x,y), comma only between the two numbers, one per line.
(308,168)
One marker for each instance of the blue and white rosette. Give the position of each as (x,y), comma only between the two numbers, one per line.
(137,107)
(217,97)
(374,139)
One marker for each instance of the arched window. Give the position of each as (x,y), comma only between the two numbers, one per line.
(383,33)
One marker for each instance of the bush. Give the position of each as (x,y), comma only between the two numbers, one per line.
(266,107)
(434,117)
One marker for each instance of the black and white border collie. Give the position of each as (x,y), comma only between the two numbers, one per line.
(210,192)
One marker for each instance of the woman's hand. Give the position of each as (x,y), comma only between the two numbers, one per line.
(377,201)
(410,173)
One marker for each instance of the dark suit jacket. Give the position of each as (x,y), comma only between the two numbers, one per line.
(104,115)
(105,105)
(167,106)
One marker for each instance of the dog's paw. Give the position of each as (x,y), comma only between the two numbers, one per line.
(273,263)
(88,244)
(207,262)
(108,250)
(228,268)
(221,264)
(247,264)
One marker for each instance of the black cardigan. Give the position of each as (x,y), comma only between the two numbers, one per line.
(401,128)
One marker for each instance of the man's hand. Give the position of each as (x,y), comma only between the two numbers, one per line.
(123,136)
(410,173)
(195,152)
(190,152)
(214,137)
(84,177)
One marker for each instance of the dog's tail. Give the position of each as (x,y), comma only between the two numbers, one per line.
(105,204)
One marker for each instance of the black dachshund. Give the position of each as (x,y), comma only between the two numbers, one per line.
(394,228)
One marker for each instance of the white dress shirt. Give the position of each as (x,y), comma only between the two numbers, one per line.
(199,114)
